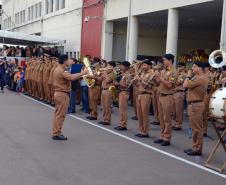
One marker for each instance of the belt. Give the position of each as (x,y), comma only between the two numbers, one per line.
(144,93)
(124,91)
(64,92)
(95,86)
(179,91)
(197,101)
(104,89)
(161,94)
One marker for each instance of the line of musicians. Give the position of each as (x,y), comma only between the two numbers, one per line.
(39,78)
(161,86)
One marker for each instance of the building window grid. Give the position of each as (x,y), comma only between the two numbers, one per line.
(20,17)
(54,5)
(7,23)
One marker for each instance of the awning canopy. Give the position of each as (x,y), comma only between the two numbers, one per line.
(16,38)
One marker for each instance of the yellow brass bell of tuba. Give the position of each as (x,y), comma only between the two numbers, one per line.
(217,59)
(88,80)
(114,93)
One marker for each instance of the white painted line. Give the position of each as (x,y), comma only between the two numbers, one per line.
(138,142)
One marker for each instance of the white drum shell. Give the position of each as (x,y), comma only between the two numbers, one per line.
(217,104)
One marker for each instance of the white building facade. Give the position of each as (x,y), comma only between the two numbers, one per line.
(58,19)
(154,27)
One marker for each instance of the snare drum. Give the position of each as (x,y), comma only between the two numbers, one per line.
(217,104)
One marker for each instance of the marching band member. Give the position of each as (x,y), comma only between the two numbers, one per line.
(166,80)
(155,96)
(178,97)
(223,77)
(207,96)
(197,87)
(144,98)
(123,87)
(108,79)
(94,92)
(138,69)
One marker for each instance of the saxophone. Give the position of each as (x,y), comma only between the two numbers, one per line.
(88,80)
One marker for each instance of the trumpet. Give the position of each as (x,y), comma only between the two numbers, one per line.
(100,71)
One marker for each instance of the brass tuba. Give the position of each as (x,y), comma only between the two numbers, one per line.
(88,80)
(217,59)
(114,93)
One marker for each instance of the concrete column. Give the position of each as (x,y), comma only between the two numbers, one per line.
(172,32)
(132,39)
(107,40)
(223,28)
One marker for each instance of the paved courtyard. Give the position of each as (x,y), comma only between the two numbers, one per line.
(93,155)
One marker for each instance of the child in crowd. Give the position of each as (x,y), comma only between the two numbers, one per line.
(19,80)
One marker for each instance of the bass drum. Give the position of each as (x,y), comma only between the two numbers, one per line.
(217,105)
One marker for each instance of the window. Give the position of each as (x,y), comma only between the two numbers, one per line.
(29,14)
(78,54)
(36,11)
(38,34)
(23,16)
(20,17)
(7,23)
(40,9)
(4,24)
(32,13)
(16,18)
(51,5)
(57,5)
(0,9)
(63,4)
(47,7)
(10,22)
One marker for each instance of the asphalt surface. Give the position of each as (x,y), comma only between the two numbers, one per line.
(92,155)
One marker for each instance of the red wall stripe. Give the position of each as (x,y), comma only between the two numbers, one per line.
(92,30)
